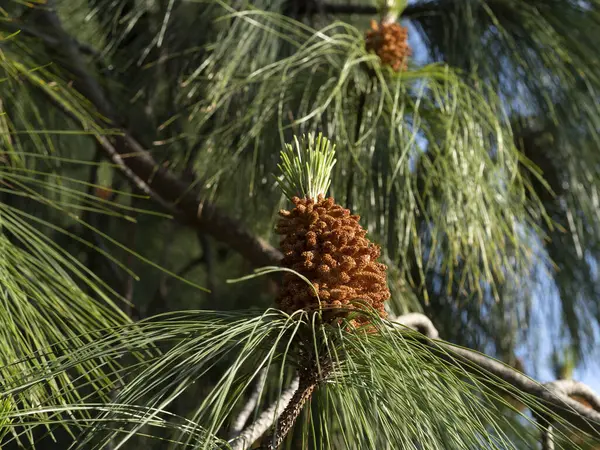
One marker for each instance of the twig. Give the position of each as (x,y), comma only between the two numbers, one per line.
(418,322)
(548,438)
(569,388)
(309,378)
(242,418)
(552,397)
(573,388)
(266,419)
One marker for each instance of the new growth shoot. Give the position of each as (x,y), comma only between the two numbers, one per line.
(306,166)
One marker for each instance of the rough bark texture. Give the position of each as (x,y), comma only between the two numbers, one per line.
(308,381)
(265,420)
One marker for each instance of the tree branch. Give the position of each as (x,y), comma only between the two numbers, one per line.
(420,323)
(366,10)
(141,169)
(266,419)
(556,402)
(574,388)
(242,418)
(553,397)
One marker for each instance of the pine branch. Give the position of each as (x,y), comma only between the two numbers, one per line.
(575,388)
(569,388)
(308,380)
(420,323)
(242,418)
(142,171)
(553,397)
(265,420)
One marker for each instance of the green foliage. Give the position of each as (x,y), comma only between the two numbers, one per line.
(386,388)
(472,169)
(306,167)
(5,408)
(544,69)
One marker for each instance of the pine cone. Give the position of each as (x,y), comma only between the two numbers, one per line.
(390,42)
(323,242)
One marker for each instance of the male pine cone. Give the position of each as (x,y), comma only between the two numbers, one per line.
(390,42)
(323,242)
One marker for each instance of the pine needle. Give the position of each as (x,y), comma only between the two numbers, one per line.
(306,166)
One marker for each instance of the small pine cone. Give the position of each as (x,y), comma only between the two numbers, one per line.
(331,250)
(390,42)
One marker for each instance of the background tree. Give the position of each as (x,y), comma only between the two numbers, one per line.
(139,143)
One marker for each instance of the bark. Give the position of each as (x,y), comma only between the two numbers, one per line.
(266,419)
(308,380)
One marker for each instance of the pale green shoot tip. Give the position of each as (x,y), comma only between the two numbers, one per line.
(306,166)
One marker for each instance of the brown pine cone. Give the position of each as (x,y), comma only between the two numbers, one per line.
(323,242)
(390,42)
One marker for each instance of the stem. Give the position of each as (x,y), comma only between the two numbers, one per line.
(308,380)
(242,418)
(264,421)
(548,438)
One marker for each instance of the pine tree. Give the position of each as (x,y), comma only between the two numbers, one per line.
(394,174)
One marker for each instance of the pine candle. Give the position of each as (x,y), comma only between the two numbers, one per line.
(322,241)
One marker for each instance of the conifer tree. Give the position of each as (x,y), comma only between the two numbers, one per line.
(411,182)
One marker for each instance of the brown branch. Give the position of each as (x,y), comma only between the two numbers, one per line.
(308,380)
(142,171)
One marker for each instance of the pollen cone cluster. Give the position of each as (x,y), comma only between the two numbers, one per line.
(323,242)
(390,42)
